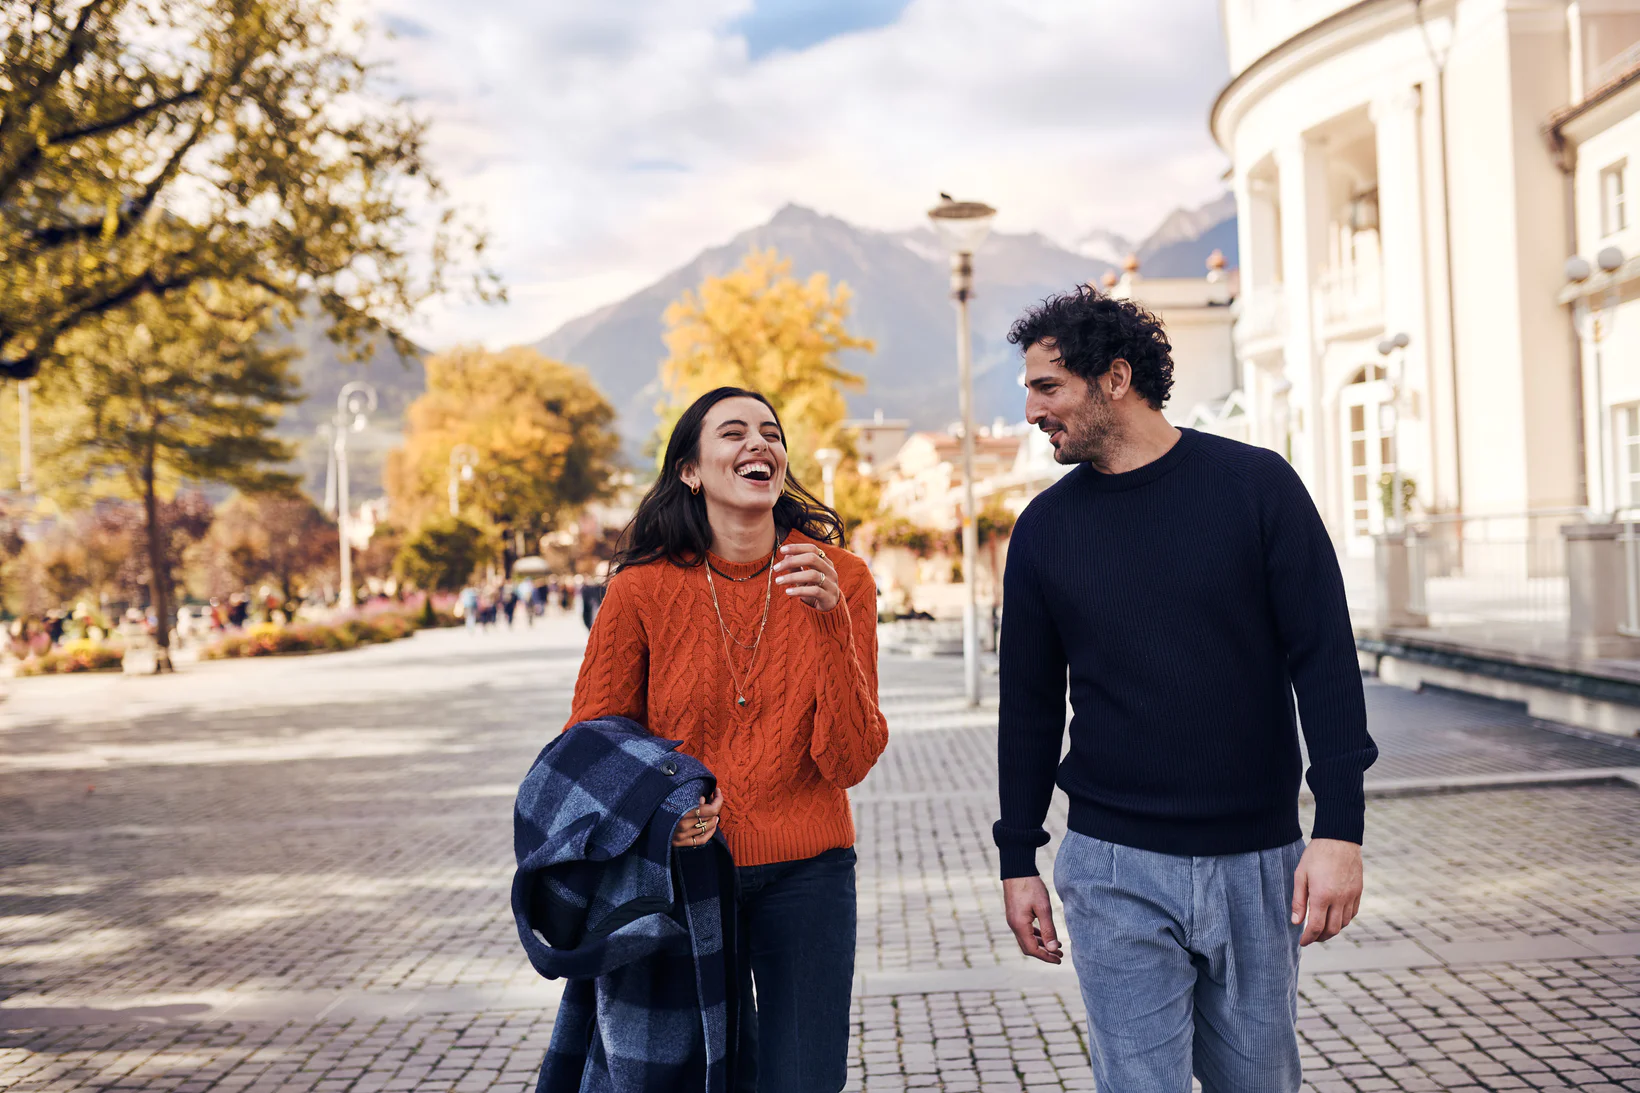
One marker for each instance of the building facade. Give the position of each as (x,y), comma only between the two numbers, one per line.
(1394,175)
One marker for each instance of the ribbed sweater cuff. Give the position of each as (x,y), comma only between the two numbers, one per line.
(1017,849)
(835,622)
(1344,820)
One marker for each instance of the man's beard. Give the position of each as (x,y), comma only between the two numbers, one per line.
(1091,434)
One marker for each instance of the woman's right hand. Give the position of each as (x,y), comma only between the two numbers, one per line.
(699,824)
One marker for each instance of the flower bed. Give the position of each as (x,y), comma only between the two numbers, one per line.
(270,639)
(83,655)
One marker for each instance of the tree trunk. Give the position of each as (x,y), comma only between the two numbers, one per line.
(159,574)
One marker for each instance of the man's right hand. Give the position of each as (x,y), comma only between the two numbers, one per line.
(1030,917)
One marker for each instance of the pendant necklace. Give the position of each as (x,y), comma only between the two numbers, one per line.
(723,631)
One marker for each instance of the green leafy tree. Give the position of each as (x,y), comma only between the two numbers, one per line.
(441,555)
(149,145)
(179,389)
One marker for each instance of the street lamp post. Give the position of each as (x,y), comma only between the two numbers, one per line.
(829,458)
(1594,321)
(963,226)
(463,458)
(1386,346)
(353,402)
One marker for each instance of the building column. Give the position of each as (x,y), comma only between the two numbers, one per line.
(1401,234)
(1303,224)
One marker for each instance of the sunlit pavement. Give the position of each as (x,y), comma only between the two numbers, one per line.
(292,874)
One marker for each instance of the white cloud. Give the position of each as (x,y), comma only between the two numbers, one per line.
(605,143)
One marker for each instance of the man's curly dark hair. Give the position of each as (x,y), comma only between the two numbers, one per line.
(1090,330)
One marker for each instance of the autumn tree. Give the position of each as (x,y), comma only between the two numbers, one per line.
(278,537)
(761,328)
(150,145)
(180,389)
(540,431)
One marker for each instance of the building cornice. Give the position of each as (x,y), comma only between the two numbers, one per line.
(1286,48)
(1563,123)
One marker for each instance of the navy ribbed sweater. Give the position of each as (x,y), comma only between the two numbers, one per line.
(1187,601)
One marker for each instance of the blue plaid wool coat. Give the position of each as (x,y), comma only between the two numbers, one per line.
(644,935)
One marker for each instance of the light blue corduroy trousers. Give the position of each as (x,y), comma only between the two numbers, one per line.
(1187,965)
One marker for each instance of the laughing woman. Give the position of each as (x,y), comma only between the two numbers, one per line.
(736,624)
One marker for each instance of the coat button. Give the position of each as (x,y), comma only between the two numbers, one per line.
(669,768)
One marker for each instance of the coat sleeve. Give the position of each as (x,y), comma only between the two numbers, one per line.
(850,732)
(614,676)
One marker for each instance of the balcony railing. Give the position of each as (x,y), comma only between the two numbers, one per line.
(1350,296)
(1262,314)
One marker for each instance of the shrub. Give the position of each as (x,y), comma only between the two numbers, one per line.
(82,655)
(271,640)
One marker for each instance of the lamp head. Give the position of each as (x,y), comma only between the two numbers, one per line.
(1577,268)
(1610,259)
(961,225)
(1401,340)
(1386,346)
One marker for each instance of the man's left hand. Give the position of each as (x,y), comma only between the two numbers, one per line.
(1326,888)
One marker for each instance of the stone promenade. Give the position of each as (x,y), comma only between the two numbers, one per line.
(292,875)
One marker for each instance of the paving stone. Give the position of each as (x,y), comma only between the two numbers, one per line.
(336,830)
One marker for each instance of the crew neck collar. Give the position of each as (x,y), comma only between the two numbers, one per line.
(745,569)
(1140,476)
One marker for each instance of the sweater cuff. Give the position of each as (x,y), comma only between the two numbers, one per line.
(835,622)
(1018,850)
(1344,820)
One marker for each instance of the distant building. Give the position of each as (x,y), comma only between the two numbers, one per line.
(1392,176)
(1198,316)
(877,440)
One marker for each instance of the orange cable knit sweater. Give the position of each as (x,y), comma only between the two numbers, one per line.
(810,728)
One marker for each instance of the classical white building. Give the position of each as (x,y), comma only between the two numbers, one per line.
(1598,139)
(1405,167)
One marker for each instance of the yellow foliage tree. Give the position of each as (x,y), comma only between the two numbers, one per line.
(541,430)
(761,328)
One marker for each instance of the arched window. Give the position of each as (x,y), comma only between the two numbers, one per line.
(1367,373)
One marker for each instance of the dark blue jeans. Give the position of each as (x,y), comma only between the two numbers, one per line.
(797,921)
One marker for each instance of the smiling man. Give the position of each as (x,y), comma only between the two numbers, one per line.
(1186,587)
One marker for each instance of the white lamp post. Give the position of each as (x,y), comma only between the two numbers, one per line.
(353,402)
(463,458)
(829,458)
(1386,346)
(963,226)
(1594,322)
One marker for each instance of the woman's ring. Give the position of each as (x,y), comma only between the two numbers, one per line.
(821,551)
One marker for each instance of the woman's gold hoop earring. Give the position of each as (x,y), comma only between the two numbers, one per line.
(695,489)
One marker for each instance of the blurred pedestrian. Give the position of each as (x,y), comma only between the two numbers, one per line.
(509,604)
(526,599)
(468,602)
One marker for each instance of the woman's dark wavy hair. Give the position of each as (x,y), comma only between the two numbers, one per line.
(671,522)
(1090,330)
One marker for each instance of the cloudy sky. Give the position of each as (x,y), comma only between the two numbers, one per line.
(605,142)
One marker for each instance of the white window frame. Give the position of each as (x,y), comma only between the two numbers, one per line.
(1626,454)
(1614,215)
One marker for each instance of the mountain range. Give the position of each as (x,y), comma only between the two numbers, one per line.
(900,287)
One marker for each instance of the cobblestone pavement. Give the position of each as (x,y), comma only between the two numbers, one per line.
(292,875)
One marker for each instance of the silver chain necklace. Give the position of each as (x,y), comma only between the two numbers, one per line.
(723,631)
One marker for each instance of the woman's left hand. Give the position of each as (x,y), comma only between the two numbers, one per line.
(805,572)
